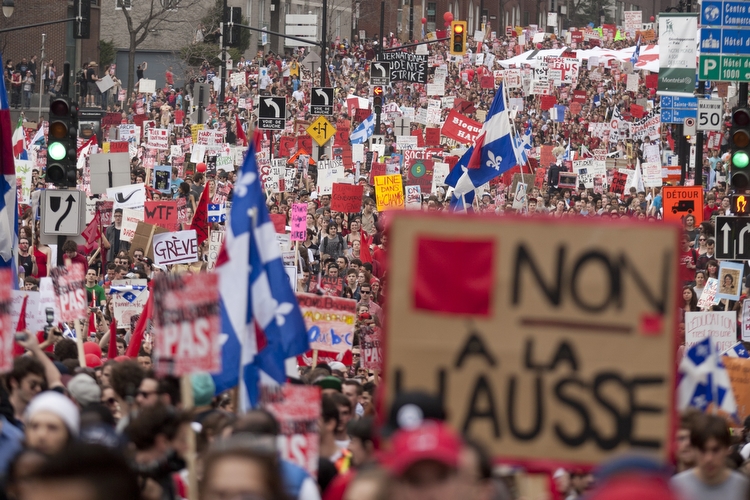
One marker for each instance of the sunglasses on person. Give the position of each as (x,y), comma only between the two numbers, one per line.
(109,401)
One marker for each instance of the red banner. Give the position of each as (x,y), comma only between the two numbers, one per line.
(432,136)
(462,129)
(346,197)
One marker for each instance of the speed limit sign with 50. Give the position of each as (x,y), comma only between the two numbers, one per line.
(709,114)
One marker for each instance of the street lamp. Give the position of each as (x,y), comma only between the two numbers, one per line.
(8,6)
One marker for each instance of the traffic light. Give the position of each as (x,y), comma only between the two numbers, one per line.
(740,144)
(458,38)
(740,204)
(377,99)
(62,143)
(232,34)
(82,13)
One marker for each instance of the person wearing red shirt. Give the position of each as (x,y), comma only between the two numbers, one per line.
(687,261)
(710,207)
(70,248)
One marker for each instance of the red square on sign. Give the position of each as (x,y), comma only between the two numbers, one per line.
(454,276)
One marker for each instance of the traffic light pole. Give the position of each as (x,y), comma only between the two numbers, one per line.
(223,80)
(699,143)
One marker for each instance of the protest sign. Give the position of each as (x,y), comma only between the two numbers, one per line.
(7,328)
(35,313)
(70,292)
(216,238)
(186,323)
(129,297)
(720,326)
(180,247)
(299,222)
(130,196)
(297,410)
(130,220)
(346,197)
(389,192)
(746,321)
(162,213)
(371,347)
(144,238)
(730,280)
(329,321)
(459,128)
(738,370)
(554,312)
(708,295)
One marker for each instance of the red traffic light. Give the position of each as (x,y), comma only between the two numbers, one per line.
(741,117)
(59,107)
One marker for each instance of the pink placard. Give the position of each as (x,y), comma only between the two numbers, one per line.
(299,222)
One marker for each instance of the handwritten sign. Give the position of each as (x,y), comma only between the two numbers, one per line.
(299,222)
(720,326)
(563,313)
(346,197)
(371,344)
(130,220)
(70,292)
(329,321)
(389,192)
(180,247)
(162,213)
(186,323)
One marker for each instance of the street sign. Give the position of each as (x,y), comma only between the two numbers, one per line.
(724,68)
(321,101)
(272,113)
(709,114)
(733,238)
(680,201)
(675,109)
(63,212)
(380,73)
(725,41)
(321,130)
(730,13)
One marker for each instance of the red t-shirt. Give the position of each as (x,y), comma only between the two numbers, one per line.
(687,274)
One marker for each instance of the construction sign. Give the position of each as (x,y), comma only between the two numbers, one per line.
(680,201)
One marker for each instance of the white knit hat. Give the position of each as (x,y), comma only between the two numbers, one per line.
(57,404)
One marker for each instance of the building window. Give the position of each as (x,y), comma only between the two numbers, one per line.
(431,12)
(526,18)
(123,4)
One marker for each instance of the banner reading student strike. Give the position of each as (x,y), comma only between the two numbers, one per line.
(545,340)
(186,323)
(677,52)
(329,321)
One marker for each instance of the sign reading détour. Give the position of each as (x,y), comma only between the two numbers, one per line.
(297,410)
(551,341)
(329,321)
(677,52)
(406,67)
(70,292)
(186,323)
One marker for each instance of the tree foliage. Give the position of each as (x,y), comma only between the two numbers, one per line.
(107,52)
(208,50)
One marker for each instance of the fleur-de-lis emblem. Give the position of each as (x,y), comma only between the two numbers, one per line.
(494,161)
(241,187)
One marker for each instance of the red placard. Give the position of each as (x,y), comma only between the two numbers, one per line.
(575,107)
(346,197)
(118,147)
(371,348)
(342,136)
(361,115)
(432,136)
(548,101)
(546,157)
(377,169)
(487,82)
(70,291)
(579,96)
(279,222)
(652,81)
(462,129)
(286,144)
(636,110)
(420,138)
(186,323)
(162,213)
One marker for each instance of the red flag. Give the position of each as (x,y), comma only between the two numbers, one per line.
(20,326)
(92,325)
(140,328)
(92,232)
(112,349)
(670,140)
(364,247)
(200,218)
(240,132)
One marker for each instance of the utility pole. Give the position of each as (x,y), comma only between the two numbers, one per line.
(41,83)
(223,55)
(323,45)
(382,25)
(411,21)
(699,142)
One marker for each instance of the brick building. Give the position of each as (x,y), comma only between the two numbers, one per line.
(60,46)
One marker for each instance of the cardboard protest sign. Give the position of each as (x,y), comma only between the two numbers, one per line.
(162,213)
(179,247)
(738,370)
(7,326)
(144,238)
(329,321)
(720,326)
(129,297)
(520,341)
(371,345)
(297,410)
(186,323)
(130,220)
(346,197)
(389,192)
(299,222)
(70,291)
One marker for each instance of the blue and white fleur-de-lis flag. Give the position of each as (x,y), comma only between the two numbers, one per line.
(217,212)
(128,292)
(491,155)
(736,351)
(703,379)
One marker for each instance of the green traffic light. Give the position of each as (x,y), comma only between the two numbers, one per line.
(740,159)
(56,151)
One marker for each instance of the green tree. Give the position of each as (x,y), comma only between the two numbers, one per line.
(208,49)
(107,52)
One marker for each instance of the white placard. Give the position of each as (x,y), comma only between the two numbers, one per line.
(130,220)
(180,247)
(146,86)
(720,326)
(132,196)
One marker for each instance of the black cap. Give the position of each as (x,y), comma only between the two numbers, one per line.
(410,409)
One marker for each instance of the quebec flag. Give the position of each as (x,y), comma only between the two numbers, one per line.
(491,155)
(261,322)
(8,200)
(363,131)
(703,379)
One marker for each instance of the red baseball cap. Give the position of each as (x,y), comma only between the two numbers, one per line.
(432,440)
